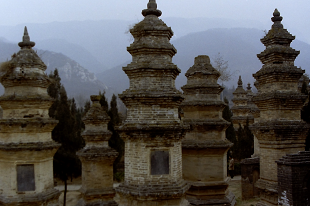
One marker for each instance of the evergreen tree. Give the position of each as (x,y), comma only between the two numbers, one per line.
(67,131)
(230,131)
(103,101)
(86,107)
(245,143)
(305,113)
(115,141)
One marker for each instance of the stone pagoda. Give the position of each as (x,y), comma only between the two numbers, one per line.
(152,132)
(279,130)
(255,114)
(241,110)
(97,158)
(205,146)
(26,145)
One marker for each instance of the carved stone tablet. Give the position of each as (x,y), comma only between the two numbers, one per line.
(159,162)
(25,178)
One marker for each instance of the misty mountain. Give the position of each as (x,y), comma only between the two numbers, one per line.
(78,81)
(73,51)
(238,46)
(106,40)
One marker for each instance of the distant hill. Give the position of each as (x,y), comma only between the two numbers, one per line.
(239,46)
(73,51)
(78,81)
(106,40)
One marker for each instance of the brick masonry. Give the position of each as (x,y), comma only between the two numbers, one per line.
(294,179)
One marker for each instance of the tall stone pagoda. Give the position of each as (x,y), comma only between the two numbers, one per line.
(152,131)
(97,158)
(26,145)
(255,114)
(241,110)
(279,130)
(205,146)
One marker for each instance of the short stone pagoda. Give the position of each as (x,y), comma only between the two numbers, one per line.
(26,145)
(205,146)
(97,158)
(279,130)
(152,131)
(250,166)
(241,110)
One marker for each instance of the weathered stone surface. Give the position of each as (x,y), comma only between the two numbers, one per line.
(97,158)
(152,125)
(249,176)
(294,179)
(205,146)
(241,109)
(279,129)
(26,146)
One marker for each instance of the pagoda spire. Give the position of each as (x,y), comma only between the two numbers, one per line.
(240,83)
(26,43)
(277,19)
(151,9)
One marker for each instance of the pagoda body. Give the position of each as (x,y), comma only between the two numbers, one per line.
(97,158)
(205,146)
(26,145)
(241,110)
(254,112)
(152,131)
(279,130)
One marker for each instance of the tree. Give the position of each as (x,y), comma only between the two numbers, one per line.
(230,131)
(245,142)
(305,113)
(103,102)
(222,66)
(115,141)
(67,132)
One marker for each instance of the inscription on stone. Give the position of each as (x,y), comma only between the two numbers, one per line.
(25,178)
(159,162)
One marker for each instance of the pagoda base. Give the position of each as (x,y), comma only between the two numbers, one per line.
(152,195)
(268,192)
(210,193)
(250,173)
(47,198)
(102,197)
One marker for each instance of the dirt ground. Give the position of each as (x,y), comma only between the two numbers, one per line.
(235,187)
(74,195)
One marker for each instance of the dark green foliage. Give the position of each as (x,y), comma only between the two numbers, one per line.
(305,113)
(304,88)
(87,106)
(103,102)
(230,131)
(245,143)
(115,141)
(67,131)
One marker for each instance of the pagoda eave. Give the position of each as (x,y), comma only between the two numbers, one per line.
(147,67)
(37,125)
(32,146)
(98,153)
(207,144)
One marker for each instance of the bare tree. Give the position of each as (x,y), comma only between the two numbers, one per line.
(222,66)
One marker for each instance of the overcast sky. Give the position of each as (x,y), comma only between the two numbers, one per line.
(295,12)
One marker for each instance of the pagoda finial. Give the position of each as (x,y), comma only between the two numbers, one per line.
(277,19)
(240,82)
(151,9)
(249,87)
(26,43)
